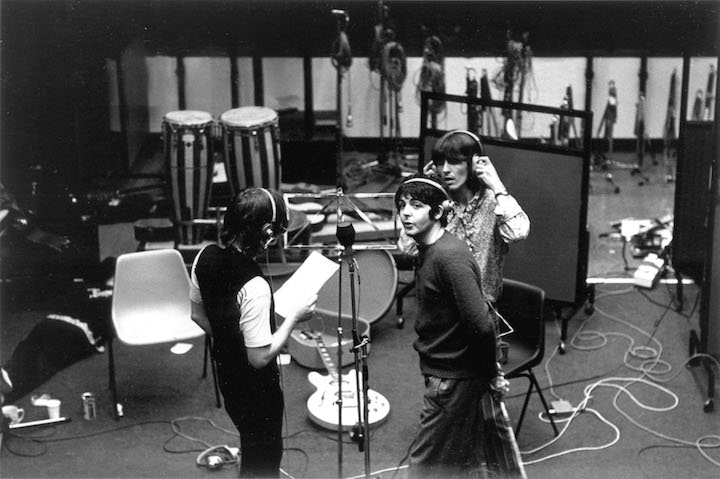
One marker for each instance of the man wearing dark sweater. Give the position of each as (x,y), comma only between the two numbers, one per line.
(456,339)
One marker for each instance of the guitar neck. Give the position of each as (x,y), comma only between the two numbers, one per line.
(326,358)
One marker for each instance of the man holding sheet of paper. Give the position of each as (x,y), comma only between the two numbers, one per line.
(233,301)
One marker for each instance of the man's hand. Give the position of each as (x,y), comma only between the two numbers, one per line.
(499,386)
(486,172)
(306,309)
(429,170)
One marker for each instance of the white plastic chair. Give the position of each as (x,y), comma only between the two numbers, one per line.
(151,305)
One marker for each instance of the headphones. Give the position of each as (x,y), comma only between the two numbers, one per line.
(267,229)
(471,135)
(447,203)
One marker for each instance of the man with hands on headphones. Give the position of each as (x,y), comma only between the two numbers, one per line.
(232,301)
(484,214)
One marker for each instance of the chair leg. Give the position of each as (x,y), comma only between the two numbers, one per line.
(213,367)
(525,404)
(205,355)
(111,379)
(215,382)
(533,379)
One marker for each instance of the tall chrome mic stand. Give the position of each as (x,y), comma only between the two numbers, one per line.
(346,237)
(341,59)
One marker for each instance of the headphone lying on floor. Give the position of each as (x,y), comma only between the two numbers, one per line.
(218,456)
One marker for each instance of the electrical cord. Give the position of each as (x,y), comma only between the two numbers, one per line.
(11,437)
(651,366)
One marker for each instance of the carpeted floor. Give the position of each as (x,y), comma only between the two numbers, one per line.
(167,402)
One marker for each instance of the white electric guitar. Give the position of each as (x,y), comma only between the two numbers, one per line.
(323,404)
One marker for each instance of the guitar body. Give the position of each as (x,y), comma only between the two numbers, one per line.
(322,404)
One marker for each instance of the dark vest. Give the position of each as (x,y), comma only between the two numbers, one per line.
(222,273)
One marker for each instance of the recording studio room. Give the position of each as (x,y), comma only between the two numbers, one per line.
(129,129)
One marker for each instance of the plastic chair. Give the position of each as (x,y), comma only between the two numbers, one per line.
(522,305)
(151,305)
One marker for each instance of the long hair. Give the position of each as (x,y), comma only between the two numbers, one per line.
(248,217)
(459,146)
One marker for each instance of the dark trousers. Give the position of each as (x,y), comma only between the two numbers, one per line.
(255,406)
(450,443)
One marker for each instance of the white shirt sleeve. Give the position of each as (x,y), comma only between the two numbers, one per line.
(195,295)
(254,300)
(514,224)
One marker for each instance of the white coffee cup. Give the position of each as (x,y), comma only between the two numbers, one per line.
(53,408)
(13,413)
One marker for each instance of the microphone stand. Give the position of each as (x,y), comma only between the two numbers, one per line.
(342,59)
(346,237)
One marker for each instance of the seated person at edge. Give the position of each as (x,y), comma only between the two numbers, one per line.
(232,300)
(484,215)
(456,339)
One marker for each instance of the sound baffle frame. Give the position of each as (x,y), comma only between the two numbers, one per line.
(551,183)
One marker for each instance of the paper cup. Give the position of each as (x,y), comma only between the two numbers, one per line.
(53,408)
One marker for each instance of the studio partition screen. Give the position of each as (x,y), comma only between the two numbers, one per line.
(548,176)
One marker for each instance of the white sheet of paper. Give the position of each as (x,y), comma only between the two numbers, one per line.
(306,281)
(181,348)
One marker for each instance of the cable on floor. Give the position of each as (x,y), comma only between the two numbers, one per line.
(651,366)
(11,437)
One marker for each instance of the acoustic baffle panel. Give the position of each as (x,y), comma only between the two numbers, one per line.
(551,184)
(691,199)
(548,185)
(712,289)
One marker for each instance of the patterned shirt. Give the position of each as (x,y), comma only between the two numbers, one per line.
(487,225)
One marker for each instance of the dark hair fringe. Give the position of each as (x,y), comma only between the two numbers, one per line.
(245,216)
(423,192)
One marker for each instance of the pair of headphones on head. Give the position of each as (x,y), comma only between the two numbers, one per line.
(468,133)
(447,202)
(267,229)
(471,135)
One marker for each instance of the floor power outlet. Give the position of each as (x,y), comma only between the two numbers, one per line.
(561,407)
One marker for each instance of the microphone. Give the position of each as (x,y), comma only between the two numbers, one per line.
(349,121)
(345,234)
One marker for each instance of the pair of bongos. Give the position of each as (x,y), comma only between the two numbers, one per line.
(251,151)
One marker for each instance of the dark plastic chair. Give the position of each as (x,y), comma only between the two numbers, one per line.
(522,305)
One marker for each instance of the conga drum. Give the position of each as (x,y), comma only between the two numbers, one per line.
(187,142)
(251,142)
